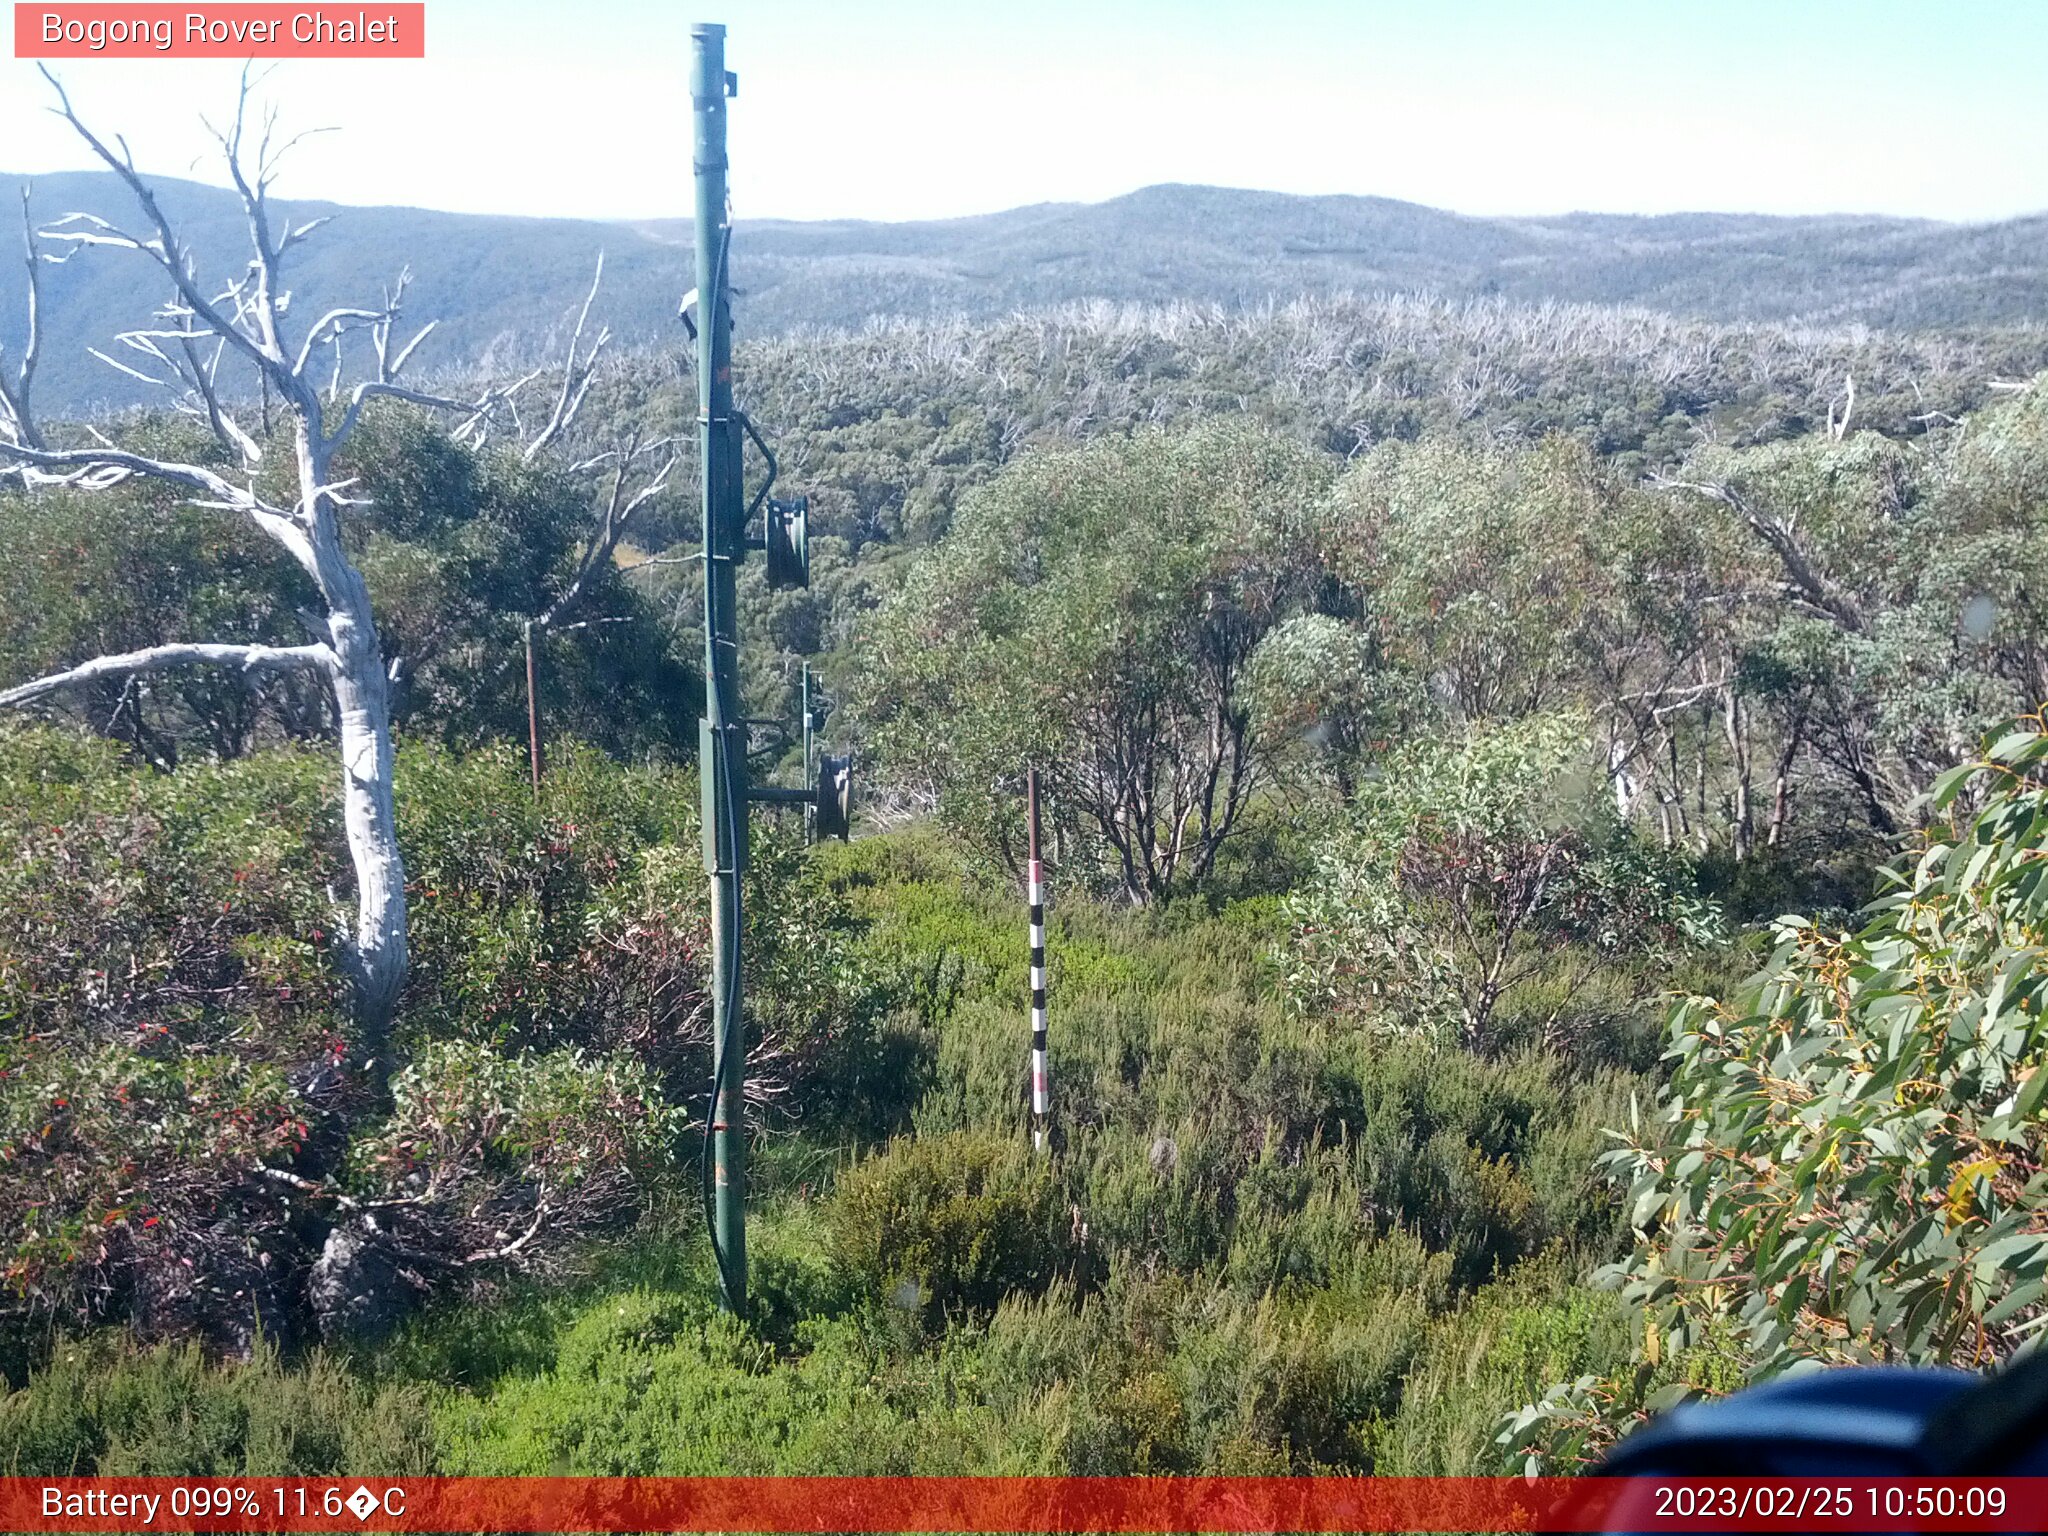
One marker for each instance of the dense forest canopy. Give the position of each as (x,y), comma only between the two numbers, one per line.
(1441,705)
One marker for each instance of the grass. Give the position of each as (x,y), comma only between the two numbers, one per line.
(1263,1243)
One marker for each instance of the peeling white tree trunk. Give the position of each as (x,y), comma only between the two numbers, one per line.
(370,821)
(1625,784)
(378,955)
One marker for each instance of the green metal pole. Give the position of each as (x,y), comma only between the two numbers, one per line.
(722,757)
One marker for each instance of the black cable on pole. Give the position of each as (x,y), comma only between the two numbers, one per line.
(708,1159)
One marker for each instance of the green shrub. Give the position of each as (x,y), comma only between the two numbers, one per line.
(494,1150)
(102,1406)
(1503,1348)
(167,990)
(643,1385)
(950,1221)
(1164,1373)
(177,1127)
(1846,1163)
(1471,874)
(793,1277)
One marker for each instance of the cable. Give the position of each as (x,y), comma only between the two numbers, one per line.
(707,1163)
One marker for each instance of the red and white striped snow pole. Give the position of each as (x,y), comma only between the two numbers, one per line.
(1040,1087)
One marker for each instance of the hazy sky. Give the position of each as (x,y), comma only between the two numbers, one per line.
(918,108)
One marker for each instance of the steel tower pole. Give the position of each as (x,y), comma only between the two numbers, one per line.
(722,755)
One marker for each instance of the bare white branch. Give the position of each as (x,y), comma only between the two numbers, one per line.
(15,416)
(101,468)
(297,234)
(330,327)
(616,513)
(121,367)
(512,1249)
(247,659)
(261,349)
(370,390)
(577,372)
(204,380)
(1804,579)
(1838,428)
(405,352)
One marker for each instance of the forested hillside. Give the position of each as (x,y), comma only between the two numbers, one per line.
(502,287)
(1229,246)
(1470,732)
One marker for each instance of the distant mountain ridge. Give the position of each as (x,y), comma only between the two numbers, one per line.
(501,286)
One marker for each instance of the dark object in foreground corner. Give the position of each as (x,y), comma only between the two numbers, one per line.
(1870,1421)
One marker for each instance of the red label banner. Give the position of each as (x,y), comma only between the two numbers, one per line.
(234,31)
(1021,1504)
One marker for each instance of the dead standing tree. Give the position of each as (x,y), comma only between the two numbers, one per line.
(630,472)
(244,322)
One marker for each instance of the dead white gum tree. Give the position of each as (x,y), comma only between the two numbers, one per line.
(243,323)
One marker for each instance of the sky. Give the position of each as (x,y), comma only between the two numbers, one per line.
(940,108)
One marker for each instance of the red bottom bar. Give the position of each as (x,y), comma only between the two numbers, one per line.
(1022,1504)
